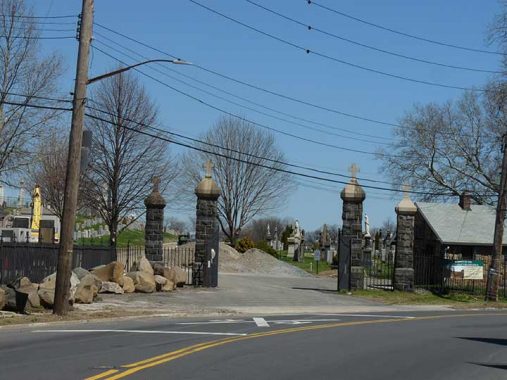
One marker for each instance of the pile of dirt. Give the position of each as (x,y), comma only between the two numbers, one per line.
(255,261)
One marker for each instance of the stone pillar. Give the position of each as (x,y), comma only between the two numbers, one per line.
(154,229)
(351,249)
(205,271)
(404,258)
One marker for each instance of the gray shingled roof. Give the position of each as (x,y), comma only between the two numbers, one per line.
(453,225)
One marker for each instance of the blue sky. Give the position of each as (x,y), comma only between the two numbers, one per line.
(194,34)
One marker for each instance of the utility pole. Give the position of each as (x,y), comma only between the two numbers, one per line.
(63,271)
(496,258)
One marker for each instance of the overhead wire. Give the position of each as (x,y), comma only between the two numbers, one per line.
(384,51)
(246,100)
(256,87)
(378,26)
(332,58)
(261,125)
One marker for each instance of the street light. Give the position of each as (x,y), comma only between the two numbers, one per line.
(123,69)
(65,251)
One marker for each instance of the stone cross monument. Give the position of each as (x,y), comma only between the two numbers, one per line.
(404,258)
(154,229)
(351,270)
(205,271)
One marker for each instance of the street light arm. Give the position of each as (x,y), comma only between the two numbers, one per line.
(121,70)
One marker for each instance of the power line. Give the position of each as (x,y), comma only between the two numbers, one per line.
(256,87)
(331,58)
(255,164)
(454,46)
(333,35)
(38,17)
(39,38)
(246,100)
(264,126)
(237,151)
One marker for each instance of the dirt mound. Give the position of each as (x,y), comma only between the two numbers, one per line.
(253,261)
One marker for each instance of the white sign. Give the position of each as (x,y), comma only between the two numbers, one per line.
(316,255)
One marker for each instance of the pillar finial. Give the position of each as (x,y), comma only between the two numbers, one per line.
(156,184)
(208,166)
(354,169)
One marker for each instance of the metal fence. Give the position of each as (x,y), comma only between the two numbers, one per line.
(379,271)
(171,257)
(467,276)
(37,261)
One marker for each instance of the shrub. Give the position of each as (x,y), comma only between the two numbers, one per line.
(264,246)
(244,244)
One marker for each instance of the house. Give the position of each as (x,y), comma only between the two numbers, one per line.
(462,231)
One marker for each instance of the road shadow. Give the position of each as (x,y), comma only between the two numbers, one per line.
(315,289)
(499,341)
(497,366)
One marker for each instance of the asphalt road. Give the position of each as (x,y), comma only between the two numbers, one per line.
(425,345)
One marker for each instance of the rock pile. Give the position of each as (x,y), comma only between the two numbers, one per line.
(86,285)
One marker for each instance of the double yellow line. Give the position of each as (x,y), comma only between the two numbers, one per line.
(129,369)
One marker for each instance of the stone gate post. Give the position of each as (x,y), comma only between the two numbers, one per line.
(351,249)
(154,229)
(205,271)
(404,258)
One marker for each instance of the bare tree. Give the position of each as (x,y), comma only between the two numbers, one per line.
(24,76)
(257,229)
(444,149)
(123,160)
(177,225)
(237,149)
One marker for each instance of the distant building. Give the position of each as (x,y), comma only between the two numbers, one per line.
(461,231)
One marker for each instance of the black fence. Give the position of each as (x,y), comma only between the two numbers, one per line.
(444,275)
(36,261)
(379,270)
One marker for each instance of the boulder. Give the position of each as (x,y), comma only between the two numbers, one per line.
(176,275)
(128,285)
(158,268)
(145,266)
(111,287)
(118,272)
(80,272)
(47,296)
(160,281)
(46,290)
(110,272)
(168,287)
(3,298)
(87,289)
(144,282)
(24,285)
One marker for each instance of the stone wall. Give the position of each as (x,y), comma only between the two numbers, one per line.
(404,260)
(352,216)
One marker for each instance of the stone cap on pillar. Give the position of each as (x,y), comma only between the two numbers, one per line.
(406,206)
(207,188)
(353,192)
(155,199)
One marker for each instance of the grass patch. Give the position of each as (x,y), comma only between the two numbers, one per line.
(308,264)
(455,299)
(132,237)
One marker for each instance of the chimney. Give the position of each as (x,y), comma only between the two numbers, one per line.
(465,201)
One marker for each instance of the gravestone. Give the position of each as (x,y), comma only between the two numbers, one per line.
(154,230)
(404,258)
(205,271)
(350,266)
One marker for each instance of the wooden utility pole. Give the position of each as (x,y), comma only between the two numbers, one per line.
(496,258)
(63,271)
